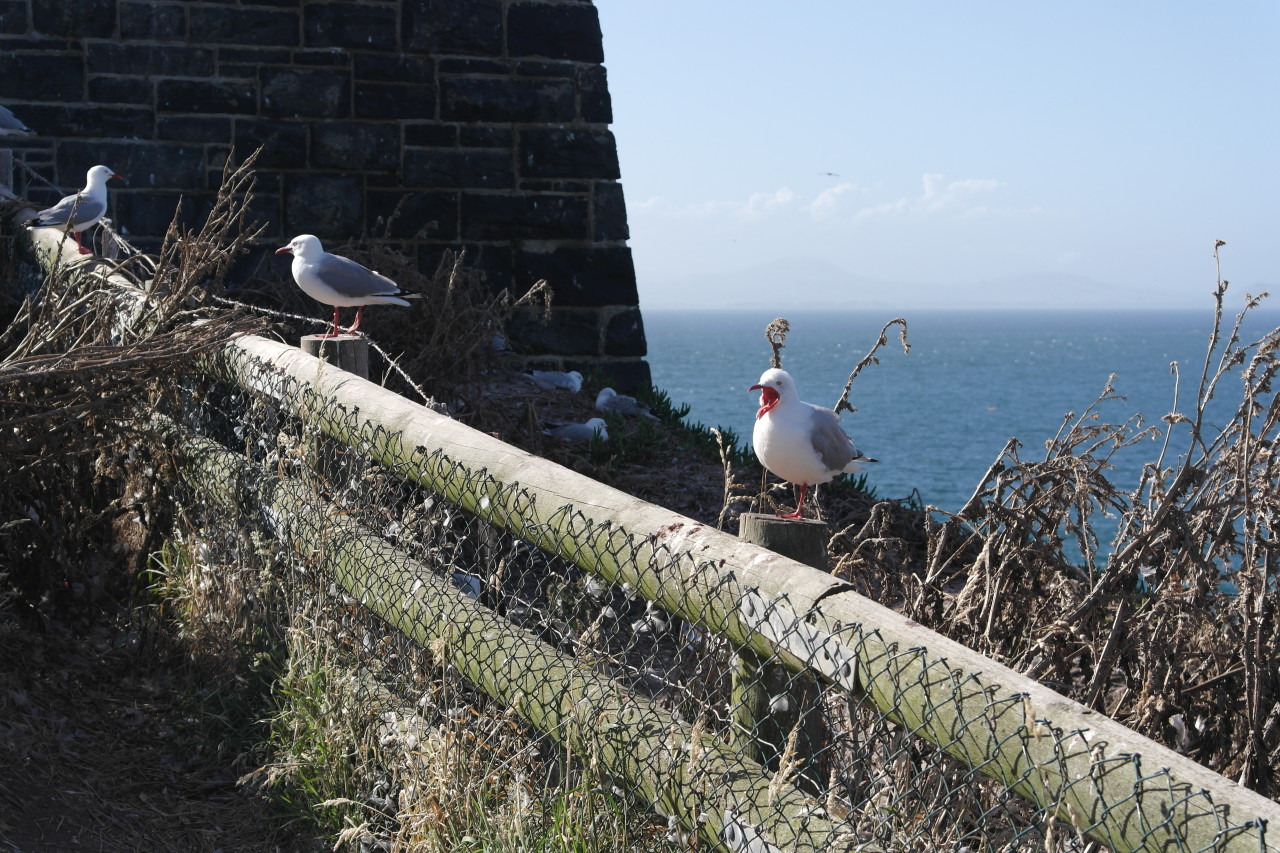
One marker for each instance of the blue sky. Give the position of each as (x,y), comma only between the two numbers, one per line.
(919,153)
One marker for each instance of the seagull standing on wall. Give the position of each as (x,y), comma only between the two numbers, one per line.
(798,441)
(338,281)
(79,211)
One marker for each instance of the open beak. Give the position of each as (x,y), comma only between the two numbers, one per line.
(768,398)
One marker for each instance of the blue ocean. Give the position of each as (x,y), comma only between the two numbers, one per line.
(938,416)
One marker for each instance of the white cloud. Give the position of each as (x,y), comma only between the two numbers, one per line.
(937,196)
(827,202)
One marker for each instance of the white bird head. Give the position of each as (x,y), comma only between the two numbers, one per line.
(605,395)
(303,246)
(99,175)
(775,386)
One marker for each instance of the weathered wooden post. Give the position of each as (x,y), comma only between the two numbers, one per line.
(333,462)
(768,701)
(349,352)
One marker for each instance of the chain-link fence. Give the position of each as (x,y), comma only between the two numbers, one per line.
(579,633)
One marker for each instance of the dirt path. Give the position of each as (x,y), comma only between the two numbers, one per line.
(100,749)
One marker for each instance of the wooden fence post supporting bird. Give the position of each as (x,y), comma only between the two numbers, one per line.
(334,463)
(769,702)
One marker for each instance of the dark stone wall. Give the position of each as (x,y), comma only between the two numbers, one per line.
(484,122)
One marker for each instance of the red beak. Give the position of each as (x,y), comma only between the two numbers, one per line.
(118,177)
(768,398)
(284,250)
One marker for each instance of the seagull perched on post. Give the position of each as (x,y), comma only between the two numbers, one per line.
(798,441)
(79,211)
(338,281)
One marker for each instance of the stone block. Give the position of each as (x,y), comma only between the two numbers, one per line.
(13,16)
(470,99)
(481,136)
(609,213)
(394,101)
(41,77)
(240,26)
(468,67)
(446,26)
(284,144)
(120,90)
(399,68)
(416,215)
(583,276)
(193,128)
(595,105)
(431,135)
(81,120)
(205,96)
(150,213)
(505,216)
(556,31)
(252,57)
(144,164)
(546,68)
(491,263)
(567,333)
(305,93)
(440,168)
(168,60)
(355,146)
(75,18)
(624,334)
(329,206)
(359,26)
(568,153)
(328,57)
(160,21)
(626,376)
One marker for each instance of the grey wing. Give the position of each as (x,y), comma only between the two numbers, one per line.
(350,279)
(9,121)
(85,209)
(831,442)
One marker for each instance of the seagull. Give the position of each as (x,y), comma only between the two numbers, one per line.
(82,210)
(798,441)
(609,400)
(552,379)
(594,428)
(338,281)
(11,125)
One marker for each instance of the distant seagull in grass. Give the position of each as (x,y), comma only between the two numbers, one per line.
(338,281)
(11,125)
(79,211)
(553,379)
(609,400)
(798,441)
(594,428)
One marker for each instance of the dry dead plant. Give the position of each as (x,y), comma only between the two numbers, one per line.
(1173,628)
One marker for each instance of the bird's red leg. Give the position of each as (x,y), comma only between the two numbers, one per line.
(334,333)
(356,327)
(804,488)
(80,244)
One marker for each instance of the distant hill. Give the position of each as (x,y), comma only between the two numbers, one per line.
(813,283)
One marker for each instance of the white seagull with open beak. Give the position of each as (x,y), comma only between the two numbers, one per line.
(79,211)
(798,441)
(338,281)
